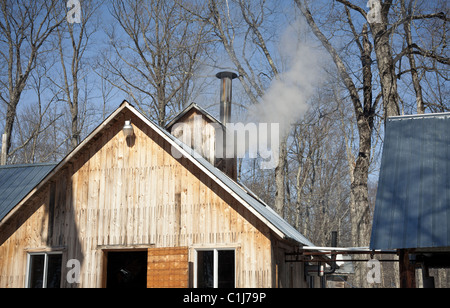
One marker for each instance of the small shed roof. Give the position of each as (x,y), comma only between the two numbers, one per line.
(413,200)
(17,181)
(185,111)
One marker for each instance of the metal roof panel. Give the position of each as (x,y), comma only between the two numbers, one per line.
(17,181)
(413,200)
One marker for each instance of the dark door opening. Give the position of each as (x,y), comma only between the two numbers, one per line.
(127,270)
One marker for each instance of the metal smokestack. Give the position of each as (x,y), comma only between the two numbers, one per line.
(226,90)
(226,163)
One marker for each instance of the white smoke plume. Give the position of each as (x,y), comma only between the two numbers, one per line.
(286,101)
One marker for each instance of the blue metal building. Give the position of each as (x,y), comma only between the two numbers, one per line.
(412,211)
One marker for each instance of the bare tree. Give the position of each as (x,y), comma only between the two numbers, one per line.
(33,122)
(157,49)
(364,109)
(384,19)
(228,18)
(24,28)
(372,41)
(407,14)
(424,44)
(378,28)
(107,90)
(318,173)
(73,40)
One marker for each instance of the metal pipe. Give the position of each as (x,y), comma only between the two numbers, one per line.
(226,92)
(349,249)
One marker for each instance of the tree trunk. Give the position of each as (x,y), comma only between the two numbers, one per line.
(11,112)
(4,150)
(386,67)
(359,187)
(280,177)
(412,61)
(75,136)
(359,205)
(7,135)
(75,133)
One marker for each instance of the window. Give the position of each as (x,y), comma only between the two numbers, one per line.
(44,270)
(215,268)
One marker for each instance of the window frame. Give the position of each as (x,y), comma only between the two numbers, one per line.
(215,265)
(45,270)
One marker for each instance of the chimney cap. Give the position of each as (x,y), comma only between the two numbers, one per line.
(230,75)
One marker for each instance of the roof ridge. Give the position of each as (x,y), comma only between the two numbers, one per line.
(183,112)
(27,165)
(419,116)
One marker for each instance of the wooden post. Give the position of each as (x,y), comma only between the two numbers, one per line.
(407,270)
(428,281)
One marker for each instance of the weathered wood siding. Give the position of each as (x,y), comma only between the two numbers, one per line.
(200,134)
(168,268)
(121,193)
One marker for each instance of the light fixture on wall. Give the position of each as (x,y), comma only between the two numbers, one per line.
(128,129)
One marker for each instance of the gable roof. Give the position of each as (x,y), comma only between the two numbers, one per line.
(260,210)
(17,181)
(187,110)
(413,200)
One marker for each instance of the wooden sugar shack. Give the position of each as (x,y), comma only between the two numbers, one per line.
(140,210)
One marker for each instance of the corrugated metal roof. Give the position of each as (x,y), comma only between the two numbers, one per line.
(17,181)
(413,200)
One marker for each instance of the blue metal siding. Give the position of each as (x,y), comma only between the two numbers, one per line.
(413,201)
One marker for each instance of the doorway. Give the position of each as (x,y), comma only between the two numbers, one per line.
(126,270)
